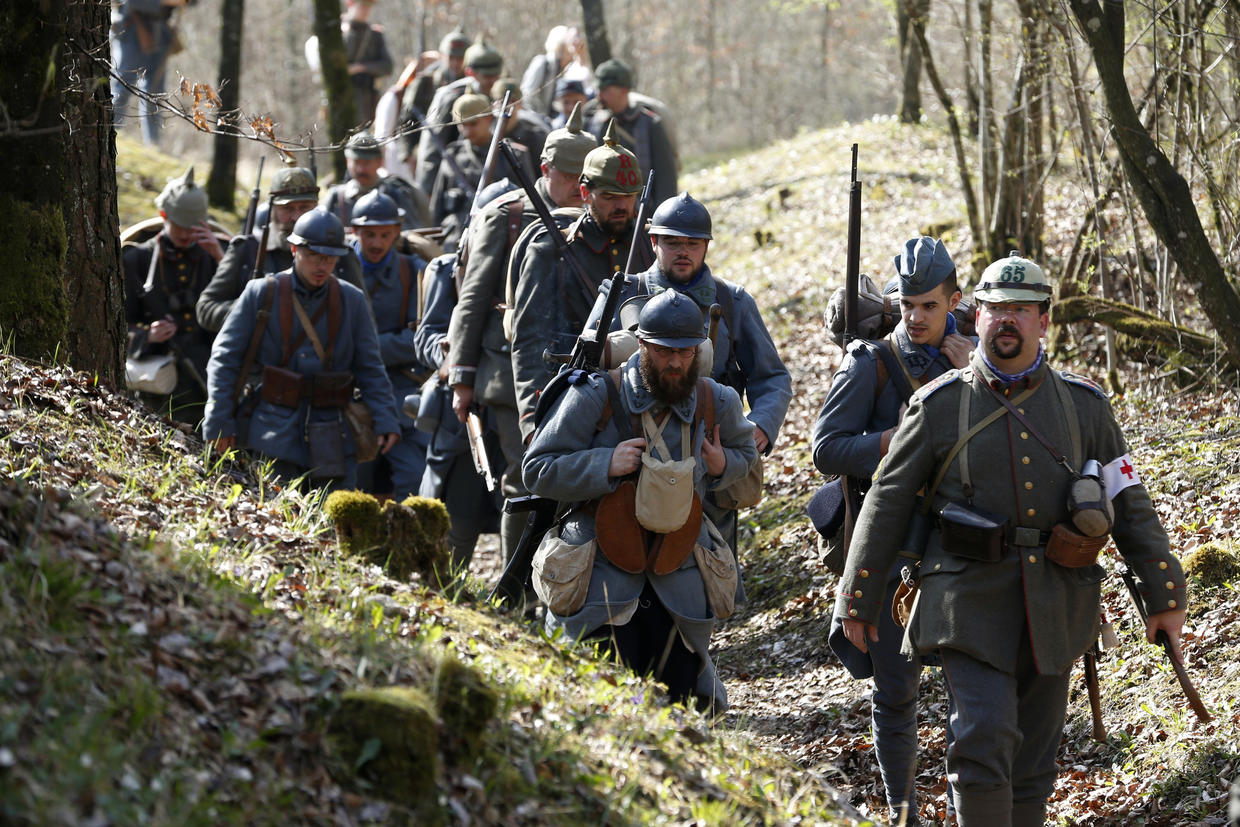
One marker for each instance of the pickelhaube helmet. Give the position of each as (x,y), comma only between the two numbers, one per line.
(291,184)
(183,202)
(454,43)
(671,319)
(611,167)
(374,209)
(363,145)
(566,148)
(483,59)
(469,106)
(321,231)
(506,84)
(1013,279)
(923,265)
(681,215)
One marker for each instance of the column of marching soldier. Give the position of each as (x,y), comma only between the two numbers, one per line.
(959,453)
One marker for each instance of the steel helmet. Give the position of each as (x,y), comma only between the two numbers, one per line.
(321,231)
(681,215)
(375,209)
(671,319)
(1013,279)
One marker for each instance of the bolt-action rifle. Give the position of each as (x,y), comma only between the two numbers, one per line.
(1181,674)
(586,356)
(251,212)
(852,282)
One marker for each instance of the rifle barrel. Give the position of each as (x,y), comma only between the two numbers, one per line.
(852,274)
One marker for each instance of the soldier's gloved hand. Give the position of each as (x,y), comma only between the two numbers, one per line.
(712,454)
(387,441)
(1171,622)
(957,349)
(626,457)
(462,398)
(860,633)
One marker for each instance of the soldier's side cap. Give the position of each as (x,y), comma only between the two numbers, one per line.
(506,84)
(291,184)
(1013,279)
(183,202)
(923,265)
(613,73)
(363,145)
(483,59)
(469,106)
(671,319)
(454,43)
(376,209)
(611,167)
(321,231)
(566,148)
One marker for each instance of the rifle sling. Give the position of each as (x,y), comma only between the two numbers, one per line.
(260,327)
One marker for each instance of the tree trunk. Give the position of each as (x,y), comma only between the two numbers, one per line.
(910,57)
(596,31)
(1164,194)
(1137,324)
(341,111)
(61,293)
(222,183)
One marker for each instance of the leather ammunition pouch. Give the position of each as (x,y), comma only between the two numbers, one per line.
(631,548)
(973,533)
(333,389)
(1071,549)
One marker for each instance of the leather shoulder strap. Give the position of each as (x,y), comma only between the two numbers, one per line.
(256,338)
(704,407)
(727,303)
(516,209)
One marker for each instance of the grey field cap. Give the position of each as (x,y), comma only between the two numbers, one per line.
(183,202)
(923,265)
(566,148)
(671,319)
(363,145)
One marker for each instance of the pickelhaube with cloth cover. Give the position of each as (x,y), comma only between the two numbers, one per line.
(1013,279)
(923,265)
(454,44)
(671,319)
(363,145)
(611,167)
(321,231)
(293,184)
(483,59)
(183,202)
(374,209)
(681,215)
(566,148)
(470,106)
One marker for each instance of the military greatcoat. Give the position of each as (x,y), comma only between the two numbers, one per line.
(981,608)
(553,302)
(568,461)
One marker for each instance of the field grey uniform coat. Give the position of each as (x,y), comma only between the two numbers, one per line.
(980,608)
(552,303)
(568,462)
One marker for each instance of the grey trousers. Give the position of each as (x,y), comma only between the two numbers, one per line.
(1007,731)
(511,525)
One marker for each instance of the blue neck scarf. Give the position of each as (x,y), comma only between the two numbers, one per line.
(948,329)
(372,268)
(1010,378)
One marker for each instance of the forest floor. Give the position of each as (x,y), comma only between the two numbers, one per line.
(179,633)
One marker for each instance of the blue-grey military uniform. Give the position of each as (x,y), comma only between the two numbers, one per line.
(279,431)
(450,474)
(755,361)
(846,441)
(1008,631)
(140,37)
(236,269)
(406,369)
(553,304)
(439,118)
(568,461)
